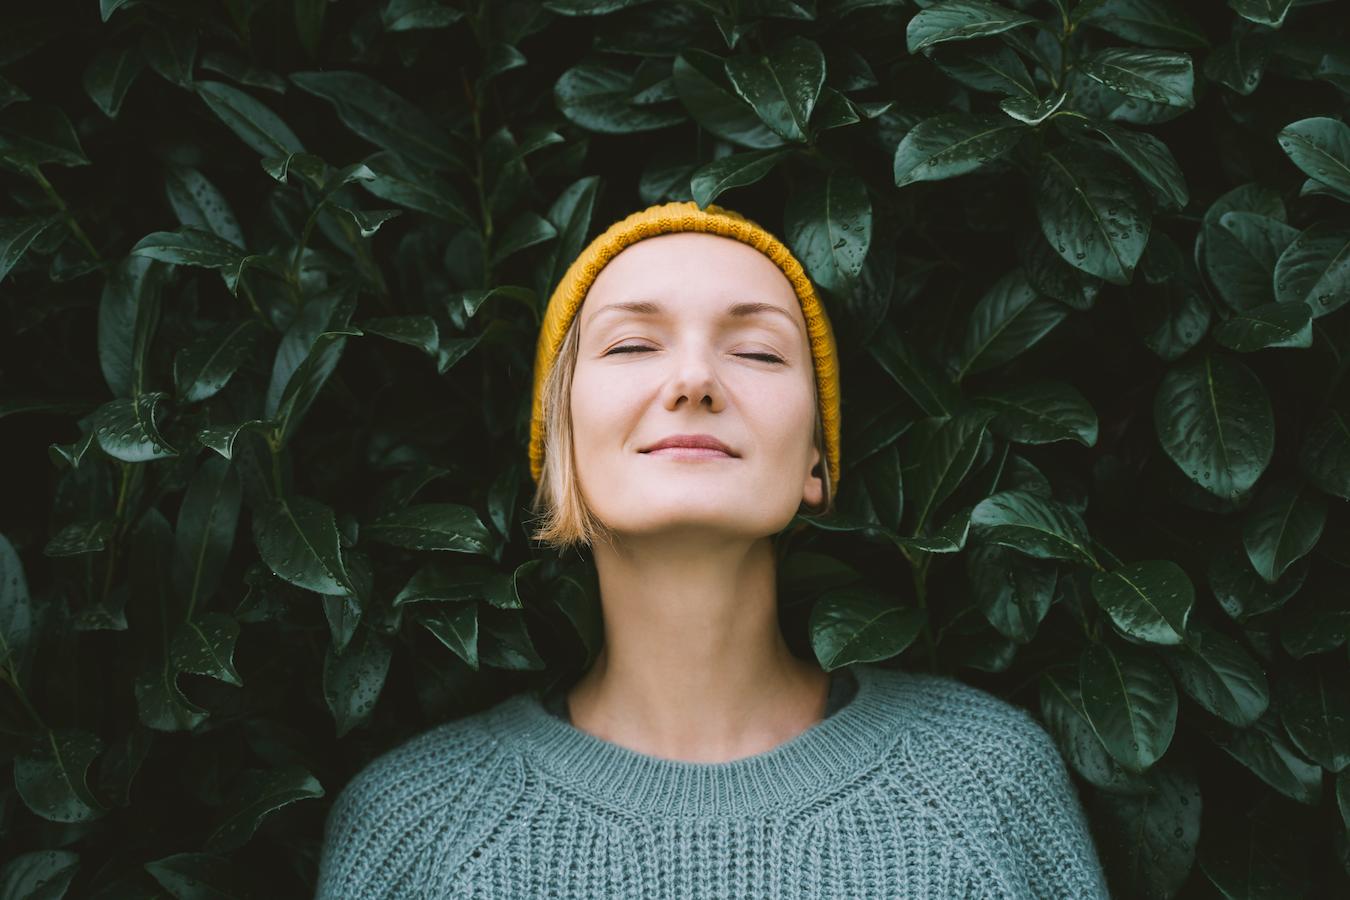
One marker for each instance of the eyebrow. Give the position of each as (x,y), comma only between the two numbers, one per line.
(736,311)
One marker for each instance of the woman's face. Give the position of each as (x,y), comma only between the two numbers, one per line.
(690,362)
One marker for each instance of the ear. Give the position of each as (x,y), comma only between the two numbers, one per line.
(813,489)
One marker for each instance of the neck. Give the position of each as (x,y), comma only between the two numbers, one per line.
(694,665)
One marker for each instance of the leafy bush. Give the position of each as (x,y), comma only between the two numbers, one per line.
(1087,264)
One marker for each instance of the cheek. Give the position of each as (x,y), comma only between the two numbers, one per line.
(601,406)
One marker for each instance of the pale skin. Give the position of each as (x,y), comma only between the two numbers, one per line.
(694,666)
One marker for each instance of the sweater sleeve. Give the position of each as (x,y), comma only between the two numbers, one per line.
(406,804)
(357,837)
(1039,810)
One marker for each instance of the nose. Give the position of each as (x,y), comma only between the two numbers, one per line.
(694,378)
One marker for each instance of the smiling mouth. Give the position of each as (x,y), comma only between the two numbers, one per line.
(689,453)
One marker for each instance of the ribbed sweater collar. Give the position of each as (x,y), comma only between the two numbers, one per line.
(829,752)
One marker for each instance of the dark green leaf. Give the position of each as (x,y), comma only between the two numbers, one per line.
(109,75)
(258,794)
(1150,601)
(1262,12)
(1214,419)
(736,170)
(1092,212)
(858,624)
(829,228)
(382,117)
(1320,146)
(1130,699)
(706,92)
(782,86)
(1218,674)
(599,99)
(1036,526)
(1325,454)
(205,646)
(1267,325)
(51,776)
(1283,524)
(432,526)
(1042,412)
(298,539)
(1153,75)
(1007,321)
(128,429)
(254,123)
(1241,252)
(16,607)
(959,20)
(1152,23)
(35,134)
(952,144)
(207,521)
(1314,269)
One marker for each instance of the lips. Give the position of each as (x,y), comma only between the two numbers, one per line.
(692,441)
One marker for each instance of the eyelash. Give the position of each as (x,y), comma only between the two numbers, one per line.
(766,357)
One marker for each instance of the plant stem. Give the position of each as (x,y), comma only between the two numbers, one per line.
(65,213)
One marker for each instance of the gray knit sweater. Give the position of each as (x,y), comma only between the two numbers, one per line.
(919,786)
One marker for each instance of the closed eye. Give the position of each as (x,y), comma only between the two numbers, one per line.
(633,348)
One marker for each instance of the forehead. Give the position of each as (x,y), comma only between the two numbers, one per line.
(692,273)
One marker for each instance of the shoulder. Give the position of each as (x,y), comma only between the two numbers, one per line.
(426,783)
(996,762)
(421,760)
(959,727)
(947,707)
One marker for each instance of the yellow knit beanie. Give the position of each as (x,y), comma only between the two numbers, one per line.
(665,218)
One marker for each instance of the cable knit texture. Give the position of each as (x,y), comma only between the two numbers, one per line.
(920,786)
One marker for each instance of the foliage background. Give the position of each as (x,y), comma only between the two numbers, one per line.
(271,274)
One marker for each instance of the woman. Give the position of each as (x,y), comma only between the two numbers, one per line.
(683,414)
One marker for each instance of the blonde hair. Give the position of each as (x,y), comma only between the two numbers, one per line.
(566,519)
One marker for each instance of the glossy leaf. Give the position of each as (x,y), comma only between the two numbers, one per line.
(1267,325)
(1214,420)
(205,645)
(782,86)
(829,228)
(16,606)
(959,20)
(381,116)
(1009,319)
(1324,456)
(253,122)
(1092,212)
(128,429)
(707,93)
(1283,523)
(432,526)
(51,775)
(1154,75)
(1314,269)
(1035,526)
(1150,600)
(1041,412)
(737,170)
(1215,671)
(204,367)
(1130,699)
(1263,12)
(297,537)
(952,144)
(599,99)
(858,624)
(205,533)
(258,794)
